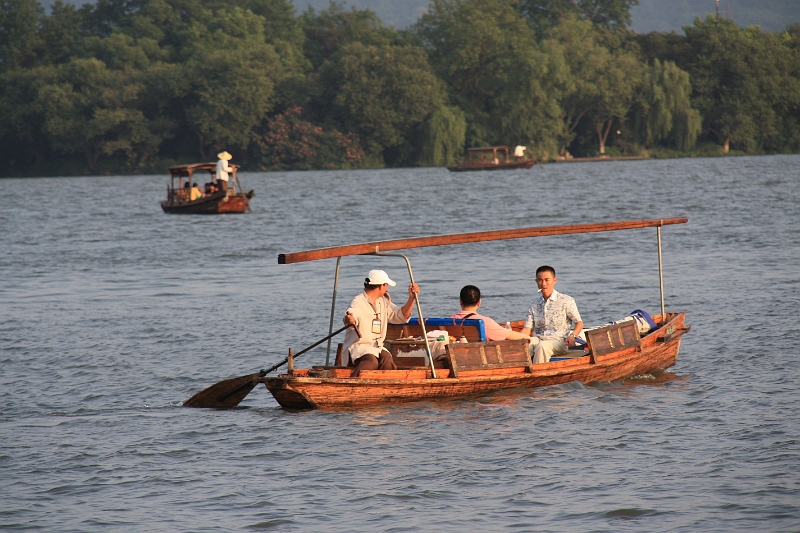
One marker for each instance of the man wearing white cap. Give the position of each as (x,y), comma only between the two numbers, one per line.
(223,169)
(371,313)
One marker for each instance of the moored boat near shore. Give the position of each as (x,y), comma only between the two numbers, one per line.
(459,369)
(491,158)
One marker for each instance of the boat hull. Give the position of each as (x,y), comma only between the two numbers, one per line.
(658,351)
(528,163)
(214,204)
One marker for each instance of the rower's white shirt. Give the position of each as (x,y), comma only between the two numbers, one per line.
(363,310)
(223,169)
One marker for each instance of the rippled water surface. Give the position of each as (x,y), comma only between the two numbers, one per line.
(113,313)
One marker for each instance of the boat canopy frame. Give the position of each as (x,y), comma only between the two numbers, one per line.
(379,248)
(187,171)
(474,153)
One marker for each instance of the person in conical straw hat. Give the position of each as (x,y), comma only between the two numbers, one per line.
(371,312)
(223,169)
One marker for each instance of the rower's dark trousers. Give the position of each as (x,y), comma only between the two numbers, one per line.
(370,362)
(223,185)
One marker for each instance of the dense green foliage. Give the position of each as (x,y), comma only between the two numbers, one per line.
(745,82)
(135,85)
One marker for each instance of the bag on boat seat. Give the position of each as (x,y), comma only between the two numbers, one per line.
(644,321)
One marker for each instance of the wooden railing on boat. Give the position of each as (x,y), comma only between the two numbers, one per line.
(612,338)
(488,355)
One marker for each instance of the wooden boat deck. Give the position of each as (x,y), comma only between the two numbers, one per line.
(332,388)
(472,367)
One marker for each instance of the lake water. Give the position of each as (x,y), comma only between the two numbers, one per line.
(113,313)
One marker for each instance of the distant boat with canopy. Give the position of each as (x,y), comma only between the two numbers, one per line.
(492,158)
(184,198)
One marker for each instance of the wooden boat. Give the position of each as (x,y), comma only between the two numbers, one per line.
(179,201)
(491,158)
(613,352)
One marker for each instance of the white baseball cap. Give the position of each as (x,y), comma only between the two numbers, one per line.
(379,277)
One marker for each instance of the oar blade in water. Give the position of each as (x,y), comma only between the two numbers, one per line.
(224,394)
(230,392)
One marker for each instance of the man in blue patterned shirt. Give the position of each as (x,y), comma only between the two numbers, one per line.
(553,320)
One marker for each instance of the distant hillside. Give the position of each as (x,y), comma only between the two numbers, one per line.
(650,15)
(400,14)
(658,15)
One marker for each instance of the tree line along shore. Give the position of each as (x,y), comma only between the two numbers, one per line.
(133,86)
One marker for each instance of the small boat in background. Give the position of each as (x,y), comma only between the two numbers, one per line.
(185,197)
(491,158)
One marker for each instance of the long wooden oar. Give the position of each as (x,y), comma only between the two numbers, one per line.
(231,392)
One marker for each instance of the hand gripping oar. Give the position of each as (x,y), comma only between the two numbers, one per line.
(231,392)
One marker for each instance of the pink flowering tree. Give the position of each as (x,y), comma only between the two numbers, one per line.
(289,142)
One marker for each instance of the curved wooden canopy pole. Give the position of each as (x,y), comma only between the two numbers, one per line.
(463,238)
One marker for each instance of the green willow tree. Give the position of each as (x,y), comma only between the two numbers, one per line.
(728,93)
(545,14)
(745,85)
(445,135)
(329,30)
(495,71)
(19,38)
(21,117)
(664,112)
(232,74)
(90,109)
(580,89)
(141,84)
(383,94)
(617,85)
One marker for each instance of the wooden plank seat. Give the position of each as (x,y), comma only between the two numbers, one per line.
(572,353)
(403,373)
(487,356)
(476,354)
(473,329)
(410,353)
(612,338)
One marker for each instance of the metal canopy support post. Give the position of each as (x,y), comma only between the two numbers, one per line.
(419,309)
(333,309)
(236,182)
(661,276)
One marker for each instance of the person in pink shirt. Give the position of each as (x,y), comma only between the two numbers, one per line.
(470,298)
